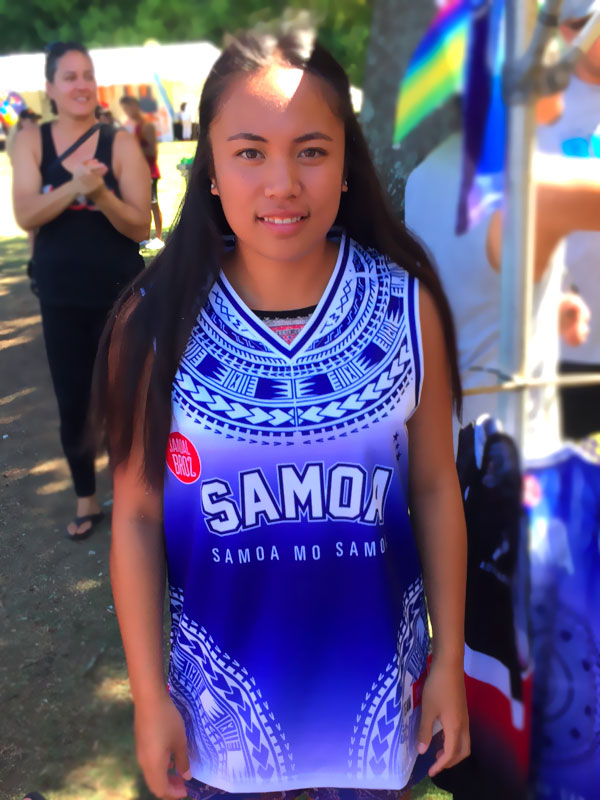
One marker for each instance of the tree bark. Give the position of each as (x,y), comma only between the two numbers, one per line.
(397,28)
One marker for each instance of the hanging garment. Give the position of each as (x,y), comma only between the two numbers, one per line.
(562,494)
(497,664)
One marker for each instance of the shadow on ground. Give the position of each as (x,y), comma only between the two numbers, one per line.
(66,714)
(65,727)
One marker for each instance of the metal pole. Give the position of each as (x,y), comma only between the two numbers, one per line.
(517,249)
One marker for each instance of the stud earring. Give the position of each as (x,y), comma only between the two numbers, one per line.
(345,185)
(213,185)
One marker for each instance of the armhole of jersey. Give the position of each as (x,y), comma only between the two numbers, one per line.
(46,148)
(414,323)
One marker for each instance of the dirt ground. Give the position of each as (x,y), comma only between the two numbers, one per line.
(65,709)
(65,715)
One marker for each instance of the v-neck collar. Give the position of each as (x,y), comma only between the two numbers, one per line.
(266,333)
(55,155)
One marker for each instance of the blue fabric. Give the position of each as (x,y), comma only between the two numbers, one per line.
(563,495)
(299,636)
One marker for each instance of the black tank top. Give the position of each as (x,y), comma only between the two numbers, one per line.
(80,258)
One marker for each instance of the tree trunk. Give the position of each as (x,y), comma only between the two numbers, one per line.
(397,28)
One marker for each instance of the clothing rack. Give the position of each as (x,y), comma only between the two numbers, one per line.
(515,385)
(526,78)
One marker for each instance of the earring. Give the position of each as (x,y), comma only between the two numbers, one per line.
(345,185)
(213,185)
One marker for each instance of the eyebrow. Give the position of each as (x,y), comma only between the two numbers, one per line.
(306,137)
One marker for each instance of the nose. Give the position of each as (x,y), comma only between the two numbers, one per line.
(282,179)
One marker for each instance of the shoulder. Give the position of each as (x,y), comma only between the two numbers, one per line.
(122,138)
(30,137)
(27,144)
(429,314)
(125,146)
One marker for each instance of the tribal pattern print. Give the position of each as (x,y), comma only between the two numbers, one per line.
(229,724)
(353,368)
(387,717)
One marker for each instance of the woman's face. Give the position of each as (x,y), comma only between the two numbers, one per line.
(278,156)
(74,88)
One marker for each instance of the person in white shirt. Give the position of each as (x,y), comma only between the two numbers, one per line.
(185,118)
(576,135)
(568,199)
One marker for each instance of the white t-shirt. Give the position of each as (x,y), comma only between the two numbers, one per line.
(577,134)
(473,291)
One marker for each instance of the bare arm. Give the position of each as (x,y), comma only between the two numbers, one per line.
(567,199)
(149,145)
(137,568)
(438,520)
(31,208)
(130,215)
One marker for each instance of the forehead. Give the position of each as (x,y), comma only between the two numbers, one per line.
(73,60)
(280,98)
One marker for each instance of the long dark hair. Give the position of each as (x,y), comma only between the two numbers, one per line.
(152,321)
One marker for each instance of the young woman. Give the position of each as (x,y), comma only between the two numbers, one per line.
(277,377)
(88,210)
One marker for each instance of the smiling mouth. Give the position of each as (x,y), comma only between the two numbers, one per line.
(283,220)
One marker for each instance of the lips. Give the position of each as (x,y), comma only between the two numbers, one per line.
(286,218)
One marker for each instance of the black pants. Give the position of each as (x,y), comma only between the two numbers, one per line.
(580,405)
(71,335)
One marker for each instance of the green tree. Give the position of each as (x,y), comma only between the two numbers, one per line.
(29,26)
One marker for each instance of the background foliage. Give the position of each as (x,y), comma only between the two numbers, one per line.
(31,24)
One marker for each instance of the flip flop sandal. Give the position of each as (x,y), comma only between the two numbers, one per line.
(95,519)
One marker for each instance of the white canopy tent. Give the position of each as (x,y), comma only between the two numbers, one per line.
(176,71)
(188,63)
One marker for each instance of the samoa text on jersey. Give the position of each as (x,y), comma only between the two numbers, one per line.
(299,634)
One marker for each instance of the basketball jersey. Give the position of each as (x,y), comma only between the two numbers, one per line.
(299,636)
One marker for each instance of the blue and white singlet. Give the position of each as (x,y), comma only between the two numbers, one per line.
(299,633)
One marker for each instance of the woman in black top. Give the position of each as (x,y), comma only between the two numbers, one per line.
(89,211)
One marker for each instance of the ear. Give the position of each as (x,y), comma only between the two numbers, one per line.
(345,185)
(214,189)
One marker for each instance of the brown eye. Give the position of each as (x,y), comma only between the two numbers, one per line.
(250,154)
(313,152)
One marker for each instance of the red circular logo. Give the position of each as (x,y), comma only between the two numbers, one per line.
(183,459)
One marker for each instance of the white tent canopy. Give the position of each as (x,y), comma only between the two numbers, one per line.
(188,63)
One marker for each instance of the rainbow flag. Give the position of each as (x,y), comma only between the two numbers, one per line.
(436,70)
(484,117)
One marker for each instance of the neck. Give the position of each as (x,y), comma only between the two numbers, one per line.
(75,125)
(266,284)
